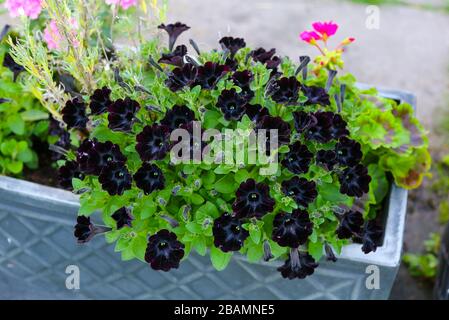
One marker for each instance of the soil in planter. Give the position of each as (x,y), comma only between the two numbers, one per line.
(46,174)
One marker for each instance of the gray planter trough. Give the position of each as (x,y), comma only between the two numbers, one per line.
(37,245)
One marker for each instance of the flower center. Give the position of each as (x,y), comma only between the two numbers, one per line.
(253,197)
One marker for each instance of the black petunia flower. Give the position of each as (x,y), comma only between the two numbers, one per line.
(232,44)
(231,63)
(320,128)
(285,90)
(153,143)
(252,200)
(300,189)
(164,251)
(303,120)
(256,112)
(298,159)
(85,230)
(371,237)
(298,265)
(100,101)
(242,79)
(315,95)
(210,73)
(93,156)
(149,178)
(8,62)
(350,225)
(178,116)
(181,77)
(123,218)
(232,104)
(275,123)
(74,114)
(354,181)
(266,57)
(348,152)
(115,179)
(339,127)
(174,30)
(292,229)
(327,159)
(67,172)
(64,142)
(121,114)
(229,234)
(175,58)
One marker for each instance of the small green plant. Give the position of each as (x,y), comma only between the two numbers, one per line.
(425,265)
(21,118)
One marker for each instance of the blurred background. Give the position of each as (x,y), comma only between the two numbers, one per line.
(399,45)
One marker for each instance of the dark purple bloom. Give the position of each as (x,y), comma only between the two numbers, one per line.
(231,63)
(115,179)
(74,114)
(348,152)
(371,237)
(252,200)
(121,114)
(178,116)
(298,265)
(93,156)
(298,159)
(175,58)
(8,62)
(285,90)
(232,44)
(303,120)
(320,129)
(339,127)
(153,143)
(292,229)
(181,77)
(243,79)
(210,73)
(266,57)
(232,104)
(85,230)
(100,101)
(354,181)
(4,100)
(327,159)
(123,218)
(275,123)
(315,95)
(256,112)
(164,251)
(229,234)
(174,30)
(149,178)
(67,172)
(300,189)
(350,224)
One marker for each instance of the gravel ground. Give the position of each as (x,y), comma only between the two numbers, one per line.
(409,52)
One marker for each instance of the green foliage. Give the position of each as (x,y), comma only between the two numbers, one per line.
(425,265)
(21,119)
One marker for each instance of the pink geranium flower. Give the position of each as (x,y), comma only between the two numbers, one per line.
(125,4)
(29,8)
(53,37)
(310,36)
(326,29)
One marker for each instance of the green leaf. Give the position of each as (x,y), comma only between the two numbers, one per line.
(316,250)
(16,124)
(254,253)
(139,246)
(200,245)
(226,184)
(219,259)
(255,233)
(15,167)
(34,115)
(149,208)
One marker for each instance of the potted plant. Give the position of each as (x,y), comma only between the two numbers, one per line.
(234,154)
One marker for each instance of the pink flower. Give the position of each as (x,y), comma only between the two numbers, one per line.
(310,36)
(53,37)
(326,29)
(29,8)
(125,4)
